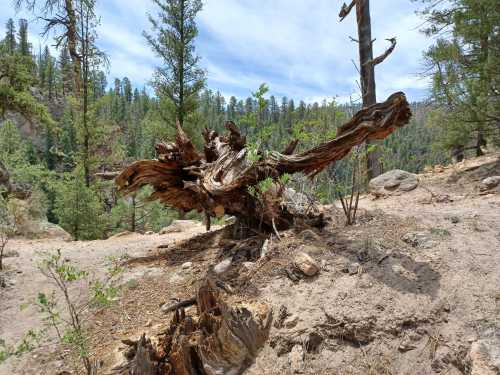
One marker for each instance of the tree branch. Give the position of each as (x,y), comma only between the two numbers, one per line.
(346,10)
(379,59)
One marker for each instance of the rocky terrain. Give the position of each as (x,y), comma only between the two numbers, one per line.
(412,288)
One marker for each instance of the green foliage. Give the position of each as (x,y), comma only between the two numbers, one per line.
(464,66)
(78,209)
(179,78)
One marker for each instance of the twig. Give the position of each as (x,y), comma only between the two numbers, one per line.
(178,305)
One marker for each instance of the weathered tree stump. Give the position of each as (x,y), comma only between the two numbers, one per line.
(222,338)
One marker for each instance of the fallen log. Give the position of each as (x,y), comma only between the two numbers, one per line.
(217,181)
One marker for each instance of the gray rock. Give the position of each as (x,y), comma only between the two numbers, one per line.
(485,357)
(489,183)
(291,321)
(418,239)
(392,182)
(223,266)
(265,249)
(296,359)
(180,226)
(306,264)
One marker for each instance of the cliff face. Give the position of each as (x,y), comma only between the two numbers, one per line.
(33,130)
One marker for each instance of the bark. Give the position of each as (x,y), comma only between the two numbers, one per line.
(367,69)
(221,339)
(217,181)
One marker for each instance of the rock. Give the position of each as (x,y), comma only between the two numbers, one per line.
(454,219)
(296,359)
(149,233)
(392,182)
(180,226)
(485,357)
(312,342)
(489,183)
(186,265)
(418,239)
(352,268)
(121,234)
(309,235)
(442,358)
(306,264)
(248,265)
(265,249)
(53,231)
(291,321)
(438,168)
(223,266)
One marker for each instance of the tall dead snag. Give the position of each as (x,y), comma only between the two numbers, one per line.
(367,65)
(221,339)
(217,181)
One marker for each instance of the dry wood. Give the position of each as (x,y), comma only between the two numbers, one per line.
(222,339)
(216,181)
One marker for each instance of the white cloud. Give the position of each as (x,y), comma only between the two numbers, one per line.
(298,47)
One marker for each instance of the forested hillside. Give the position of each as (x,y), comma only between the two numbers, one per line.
(54,148)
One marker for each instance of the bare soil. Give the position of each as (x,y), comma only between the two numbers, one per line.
(407,290)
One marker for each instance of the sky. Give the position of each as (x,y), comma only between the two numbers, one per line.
(298,47)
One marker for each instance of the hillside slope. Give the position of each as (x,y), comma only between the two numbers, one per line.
(412,288)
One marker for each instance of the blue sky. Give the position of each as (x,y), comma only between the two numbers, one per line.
(297,47)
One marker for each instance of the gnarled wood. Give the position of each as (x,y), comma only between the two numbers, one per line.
(217,182)
(221,339)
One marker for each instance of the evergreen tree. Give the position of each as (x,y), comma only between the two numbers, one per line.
(10,37)
(180,79)
(78,208)
(465,67)
(24,45)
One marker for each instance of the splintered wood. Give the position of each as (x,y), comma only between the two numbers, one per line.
(217,180)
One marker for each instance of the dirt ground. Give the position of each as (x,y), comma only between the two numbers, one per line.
(413,288)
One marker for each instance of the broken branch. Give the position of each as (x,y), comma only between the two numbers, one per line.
(379,59)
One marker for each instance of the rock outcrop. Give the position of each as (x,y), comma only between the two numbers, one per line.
(393,182)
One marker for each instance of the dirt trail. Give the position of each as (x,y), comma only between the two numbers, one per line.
(17,312)
(380,305)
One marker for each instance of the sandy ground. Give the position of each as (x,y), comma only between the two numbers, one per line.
(18,313)
(407,309)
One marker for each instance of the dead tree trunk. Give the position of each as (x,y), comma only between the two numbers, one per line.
(218,181)
(367,69)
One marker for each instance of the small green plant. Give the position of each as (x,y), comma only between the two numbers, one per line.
(29,341)
(71,331)
(440,232)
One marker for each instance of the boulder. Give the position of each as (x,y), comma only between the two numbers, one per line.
(306,264)
(489,183)
(223,266)
(178,226)
(485,357)
(393,182)
(52,231)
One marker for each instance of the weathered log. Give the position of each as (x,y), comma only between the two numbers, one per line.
(221,339)
(217,181)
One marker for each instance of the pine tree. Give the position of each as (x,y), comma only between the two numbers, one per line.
(465,67)
(24,45)
(10,37)
(180,79)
